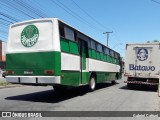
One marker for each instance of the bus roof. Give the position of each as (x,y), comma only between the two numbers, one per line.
(45,19)
(84,34)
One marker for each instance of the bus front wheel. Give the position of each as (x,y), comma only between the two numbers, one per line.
(92,84)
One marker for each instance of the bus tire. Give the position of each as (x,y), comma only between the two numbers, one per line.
(92,84)
(113,82)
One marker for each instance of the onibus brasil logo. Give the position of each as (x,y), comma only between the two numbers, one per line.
(29,36)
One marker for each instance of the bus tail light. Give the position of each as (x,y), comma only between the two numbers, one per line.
(49,72)
(10,72)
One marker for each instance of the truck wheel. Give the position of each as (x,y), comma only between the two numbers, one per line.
(92,84)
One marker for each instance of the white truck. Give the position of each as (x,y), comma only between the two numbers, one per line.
(142,64)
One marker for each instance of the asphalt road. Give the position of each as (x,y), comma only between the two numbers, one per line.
(107,97)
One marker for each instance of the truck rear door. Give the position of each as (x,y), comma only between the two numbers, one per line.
(143,65)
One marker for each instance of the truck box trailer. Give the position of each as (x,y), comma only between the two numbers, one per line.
(142,64)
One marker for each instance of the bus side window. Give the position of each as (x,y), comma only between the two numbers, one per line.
(69,33)
(106,51)
(116,58)
(110,53)
(103,49)
(99,48)
(119,56)
(93,45)
(116,55)
(89,43)
(113,54)
(75,36)
(61,30)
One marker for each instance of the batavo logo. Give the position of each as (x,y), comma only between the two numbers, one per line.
(29,36)
(141,68)
(142,54)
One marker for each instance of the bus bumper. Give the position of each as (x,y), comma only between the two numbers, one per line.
(140,82)
(33,79)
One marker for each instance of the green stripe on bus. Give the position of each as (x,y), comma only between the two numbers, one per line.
(94,56)
(71,78)
(64,45)
(69,46)
(34,61)
(107,76)
(102,57)
(72,47)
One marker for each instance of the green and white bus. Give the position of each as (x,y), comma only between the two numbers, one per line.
(51,52)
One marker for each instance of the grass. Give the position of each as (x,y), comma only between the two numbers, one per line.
(4,83)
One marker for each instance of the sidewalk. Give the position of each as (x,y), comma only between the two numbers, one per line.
(10,86)
(3,80)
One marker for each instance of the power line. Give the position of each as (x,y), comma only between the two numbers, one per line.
(116,37)
(16,7)
(93,19)
(13,6)
(41,8)
(89,15)
(6,20)
(116,45)
(69,11)
(155,1)
(9,17)
(4,24)
(29,8)
(36,9)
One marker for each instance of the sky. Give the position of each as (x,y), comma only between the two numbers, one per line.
(132,21)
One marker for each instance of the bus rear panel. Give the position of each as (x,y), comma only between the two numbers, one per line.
(33,54)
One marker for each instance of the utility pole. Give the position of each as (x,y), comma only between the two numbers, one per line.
(107,35)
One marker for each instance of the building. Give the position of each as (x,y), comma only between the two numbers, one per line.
(3,48)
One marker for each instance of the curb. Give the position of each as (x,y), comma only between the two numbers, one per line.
(10,86)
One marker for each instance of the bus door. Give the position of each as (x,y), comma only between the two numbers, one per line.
(83,56)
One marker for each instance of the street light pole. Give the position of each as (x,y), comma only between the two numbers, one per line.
(107,35)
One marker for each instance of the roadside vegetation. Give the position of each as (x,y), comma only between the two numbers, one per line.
(4,83)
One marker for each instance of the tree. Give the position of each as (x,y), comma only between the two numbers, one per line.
(155,41)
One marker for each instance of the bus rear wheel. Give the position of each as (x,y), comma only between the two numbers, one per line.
(92,84)
(113,82)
